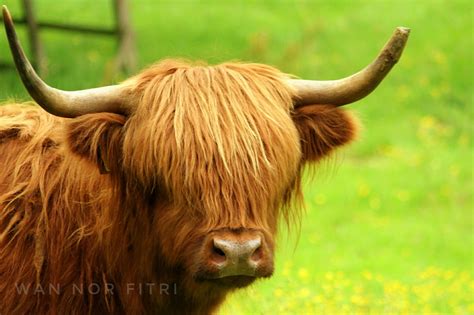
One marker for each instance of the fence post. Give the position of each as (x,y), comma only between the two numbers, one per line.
(126,56)
(36,48)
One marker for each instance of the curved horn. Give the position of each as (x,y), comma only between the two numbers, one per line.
(113,98)
(356,86)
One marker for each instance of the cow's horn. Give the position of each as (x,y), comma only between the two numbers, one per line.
(356,86)
(113,98)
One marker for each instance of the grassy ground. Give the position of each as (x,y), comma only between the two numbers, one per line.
(389,222)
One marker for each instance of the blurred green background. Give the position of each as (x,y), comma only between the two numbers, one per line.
(389,220)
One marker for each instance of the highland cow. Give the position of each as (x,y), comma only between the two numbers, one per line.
(162,194)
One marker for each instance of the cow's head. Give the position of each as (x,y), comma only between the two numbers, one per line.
(217,150)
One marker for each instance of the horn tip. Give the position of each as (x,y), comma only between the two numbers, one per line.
(403,30)
(6,13)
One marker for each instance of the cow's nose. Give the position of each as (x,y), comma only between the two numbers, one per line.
(238,252)
(238,256)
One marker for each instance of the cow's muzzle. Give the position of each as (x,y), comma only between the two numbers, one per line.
(236,253)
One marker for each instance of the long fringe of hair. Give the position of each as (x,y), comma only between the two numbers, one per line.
(219,139)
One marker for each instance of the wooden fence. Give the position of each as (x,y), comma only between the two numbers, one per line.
(126,57)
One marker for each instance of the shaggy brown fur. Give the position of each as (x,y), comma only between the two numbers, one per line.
(110,202)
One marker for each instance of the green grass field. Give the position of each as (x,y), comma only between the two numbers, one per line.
(389,220)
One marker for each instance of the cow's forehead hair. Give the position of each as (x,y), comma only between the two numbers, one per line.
(220,139)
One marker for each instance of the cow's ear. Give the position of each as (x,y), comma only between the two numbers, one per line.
(98,138)
(322,129)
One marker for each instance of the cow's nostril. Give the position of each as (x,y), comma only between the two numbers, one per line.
(218,251)
(257,254)
(218,254)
